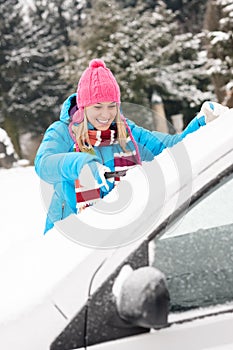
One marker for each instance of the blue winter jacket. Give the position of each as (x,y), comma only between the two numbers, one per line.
(57,164)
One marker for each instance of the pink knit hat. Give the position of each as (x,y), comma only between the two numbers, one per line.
(97,84)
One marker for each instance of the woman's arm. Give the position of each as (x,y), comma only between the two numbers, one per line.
(55,161)
(151,143)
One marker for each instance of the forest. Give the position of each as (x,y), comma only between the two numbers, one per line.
(180,50)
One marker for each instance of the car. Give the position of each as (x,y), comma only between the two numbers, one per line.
(169,285)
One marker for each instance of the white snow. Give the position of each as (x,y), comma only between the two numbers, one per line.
(218,36)
(134,206)
(4,138)
(30,263)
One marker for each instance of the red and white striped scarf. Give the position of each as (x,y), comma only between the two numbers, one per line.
(122,162)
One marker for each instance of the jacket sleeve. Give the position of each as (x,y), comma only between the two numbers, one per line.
(55,161)
(151,143)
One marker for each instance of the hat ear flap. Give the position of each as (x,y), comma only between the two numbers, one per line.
(78,116)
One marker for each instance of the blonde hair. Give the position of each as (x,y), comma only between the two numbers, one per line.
(82,138)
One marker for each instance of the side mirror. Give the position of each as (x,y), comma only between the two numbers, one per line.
(143,298)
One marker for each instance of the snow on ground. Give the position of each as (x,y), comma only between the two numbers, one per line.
(30,263)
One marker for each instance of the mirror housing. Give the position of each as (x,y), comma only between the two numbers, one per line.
(143,298)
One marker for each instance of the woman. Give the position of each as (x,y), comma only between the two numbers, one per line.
(105,142)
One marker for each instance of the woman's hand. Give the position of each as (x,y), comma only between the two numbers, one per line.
(211,110)
(94,170)
(98,171)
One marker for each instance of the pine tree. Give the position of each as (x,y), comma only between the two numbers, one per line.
(128,39)
(190,14)
(32,56)
(146,50)
(219,36)
(40,87)
(73,12)
(11,61)
(90,40)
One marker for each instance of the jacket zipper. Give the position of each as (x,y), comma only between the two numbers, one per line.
(62,210)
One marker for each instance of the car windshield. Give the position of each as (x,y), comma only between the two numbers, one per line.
(196,252)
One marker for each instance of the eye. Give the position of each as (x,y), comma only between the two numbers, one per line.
(97,107)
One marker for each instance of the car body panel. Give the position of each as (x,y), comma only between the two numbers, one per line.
(213,333)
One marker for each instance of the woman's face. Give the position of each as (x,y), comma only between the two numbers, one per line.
(101,115)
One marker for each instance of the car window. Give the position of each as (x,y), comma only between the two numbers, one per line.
(213,209)
(196,252)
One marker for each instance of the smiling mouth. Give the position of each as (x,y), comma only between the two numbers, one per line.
(104,122)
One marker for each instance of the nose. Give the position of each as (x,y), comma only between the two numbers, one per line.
(105,113)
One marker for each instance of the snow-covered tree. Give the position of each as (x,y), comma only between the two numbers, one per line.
(127,38)
(183,75)
(190,14)
(11,62)
(31,59)
(147,51)
(34,58)
(39,86)
(219,35)
(7,152)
